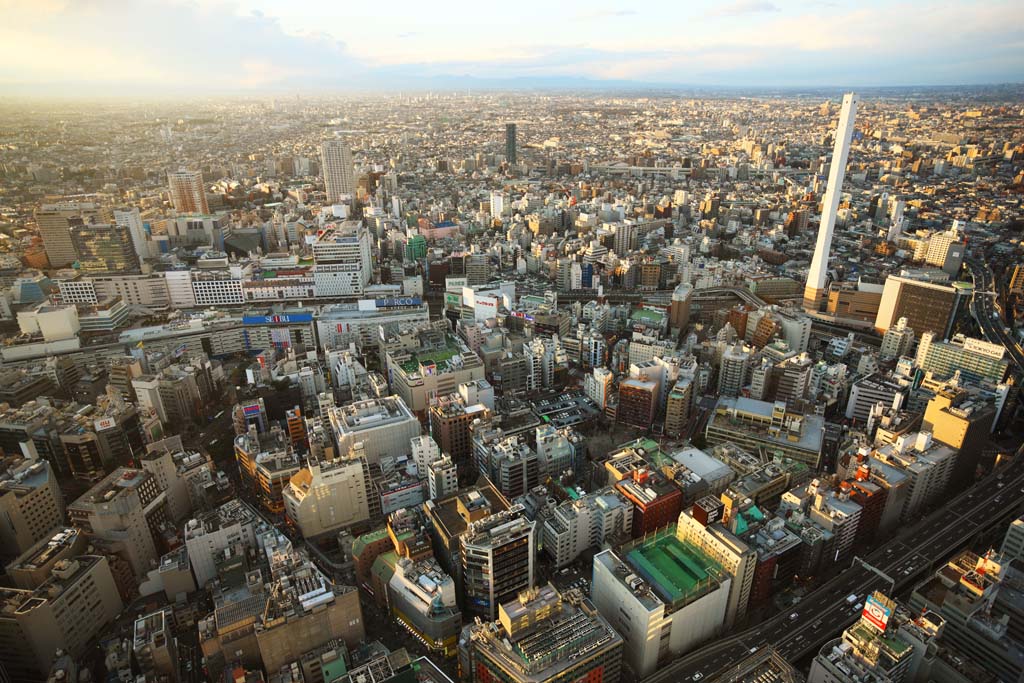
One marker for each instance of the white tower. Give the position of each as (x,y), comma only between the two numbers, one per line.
(814,292)
(337,169)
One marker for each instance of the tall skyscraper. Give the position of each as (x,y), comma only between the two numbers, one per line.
(510,143)
(814,292)
(339,175)
(187,192)
(54,222)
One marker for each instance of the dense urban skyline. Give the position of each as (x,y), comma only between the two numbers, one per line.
(528,343)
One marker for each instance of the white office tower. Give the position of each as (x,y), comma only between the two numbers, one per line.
(343,260)
(339,174)
(732,373)
(897,340)
(132,221)
(425,451)
(497,204)
(626,236)
(814,293)
(442,478)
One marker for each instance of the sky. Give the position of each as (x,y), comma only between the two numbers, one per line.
(265,45)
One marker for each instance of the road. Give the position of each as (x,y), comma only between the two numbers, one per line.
(907,558)
(983,307)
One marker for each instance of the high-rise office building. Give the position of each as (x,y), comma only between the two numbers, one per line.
(67,612)
(442,477)
(338,170)
(497,560)
(55,221)
(510,143)
(815,292)
(1013,541)
(128,509)
(732,373)
(885,644)
(974,359)
(927,306)
(897,340)
(343,260)
(979,600)
(188,195)
(31,504)
(737,559)
(154,645)
(104,248)
(664,596)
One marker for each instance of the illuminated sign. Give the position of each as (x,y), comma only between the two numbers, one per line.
(105,423)
(251,409)
(876,612)
(279,318)
(398,301)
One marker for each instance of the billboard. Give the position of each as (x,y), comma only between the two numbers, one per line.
(399,301)
(180,350)
(708,510)
(280,336)
(251,409)
(877,610)
(279,318)
(105,423)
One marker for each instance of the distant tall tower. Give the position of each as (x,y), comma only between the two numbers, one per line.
(814,293)
(510,143)
(187,192)
(339,175)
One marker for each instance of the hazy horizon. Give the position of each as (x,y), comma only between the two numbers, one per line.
(102,47)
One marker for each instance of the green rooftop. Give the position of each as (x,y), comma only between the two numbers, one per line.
(652,451)
(648,315)
(334,669)
(384,566)
(437,357)
(676,570)
(865,632)
(359,545)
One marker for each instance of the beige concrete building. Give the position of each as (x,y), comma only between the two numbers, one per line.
(65,613)
(125,508)
(305,610)
(31,504)
(737,558)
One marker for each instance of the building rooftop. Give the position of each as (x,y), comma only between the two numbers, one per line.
(45,550)
(22,476)
(228,514)
(678,572)
(541,634)
(369,414)
(118,482)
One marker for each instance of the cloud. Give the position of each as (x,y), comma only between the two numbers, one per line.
(210,46)
(608,14)
(178,44)
(741,7)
